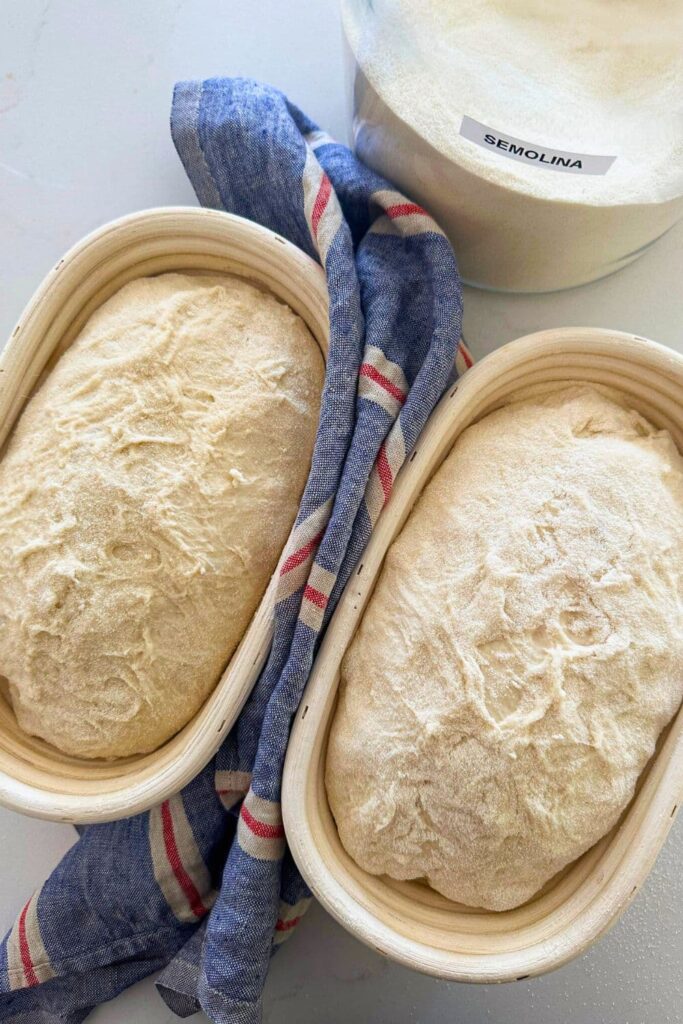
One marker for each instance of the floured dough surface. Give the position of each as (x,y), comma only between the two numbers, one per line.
(145,497)
(520,655)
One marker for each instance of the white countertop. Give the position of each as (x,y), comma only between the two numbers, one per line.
(85,88)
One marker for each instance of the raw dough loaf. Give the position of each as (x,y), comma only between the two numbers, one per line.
(521,653)
(145,497)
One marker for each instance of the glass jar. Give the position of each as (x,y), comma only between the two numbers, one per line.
(544,137)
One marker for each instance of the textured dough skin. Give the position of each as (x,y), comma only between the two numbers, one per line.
(520,655)
(145,497)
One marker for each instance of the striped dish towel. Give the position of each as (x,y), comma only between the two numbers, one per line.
(203,886)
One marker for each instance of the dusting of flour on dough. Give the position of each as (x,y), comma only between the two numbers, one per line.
(145,497)
(520,655)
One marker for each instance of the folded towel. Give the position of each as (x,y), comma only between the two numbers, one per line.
(203,885)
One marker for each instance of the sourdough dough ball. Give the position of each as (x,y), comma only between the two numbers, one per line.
(145,497)
(521,653)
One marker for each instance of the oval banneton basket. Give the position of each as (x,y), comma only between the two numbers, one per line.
(35,777)
(408,921)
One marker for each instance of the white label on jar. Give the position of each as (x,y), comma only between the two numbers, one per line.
(533,153)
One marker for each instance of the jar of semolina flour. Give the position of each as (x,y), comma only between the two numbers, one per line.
(545,137)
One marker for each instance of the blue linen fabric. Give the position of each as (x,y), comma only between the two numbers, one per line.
(203,886)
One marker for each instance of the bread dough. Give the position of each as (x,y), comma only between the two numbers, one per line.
(145,497)
(520,655)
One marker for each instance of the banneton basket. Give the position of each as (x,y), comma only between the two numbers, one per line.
(35,777)
(408,921)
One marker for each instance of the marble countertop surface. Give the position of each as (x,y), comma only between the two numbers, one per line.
(85,89)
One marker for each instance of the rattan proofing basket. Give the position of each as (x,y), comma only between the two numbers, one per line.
(35,777)
(408,921)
